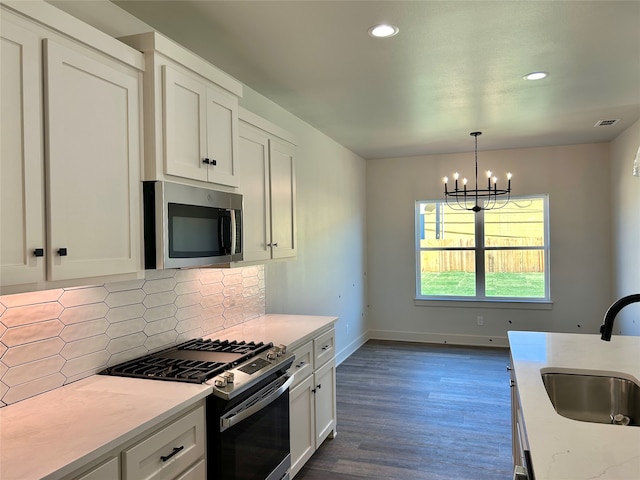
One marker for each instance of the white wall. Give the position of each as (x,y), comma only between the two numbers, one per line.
(625,190)
(577,181)
(328,277)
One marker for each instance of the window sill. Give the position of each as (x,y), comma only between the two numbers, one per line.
(507,304)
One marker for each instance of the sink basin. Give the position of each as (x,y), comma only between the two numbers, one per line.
(593,397)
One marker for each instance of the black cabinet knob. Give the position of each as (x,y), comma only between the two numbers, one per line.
(62,252)
(38,252)
(207,161)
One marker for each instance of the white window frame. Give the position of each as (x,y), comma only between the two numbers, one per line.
(480,250)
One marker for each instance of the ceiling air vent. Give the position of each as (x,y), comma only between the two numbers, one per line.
(606,123)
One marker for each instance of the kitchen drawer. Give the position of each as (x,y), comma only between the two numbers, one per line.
(154,457)
(197,472)
(303,364)
(324,348)
(109,470)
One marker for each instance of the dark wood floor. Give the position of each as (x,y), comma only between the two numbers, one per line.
(419,411)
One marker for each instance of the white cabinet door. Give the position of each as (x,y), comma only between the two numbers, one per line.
(184,125)
(92,127)
(222,134)
(255,189)
(303,436)
(21,157)
(283,200)
(325,397)
(267,183)
(200,126)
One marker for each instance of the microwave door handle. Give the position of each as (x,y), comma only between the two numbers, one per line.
(224,227)
(233,226)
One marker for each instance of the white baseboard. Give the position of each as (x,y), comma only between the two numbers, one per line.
(452,339)
(347,351)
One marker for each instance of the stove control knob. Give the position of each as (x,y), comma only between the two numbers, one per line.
(283,349)
(272,354)
(228,376)
(220,381)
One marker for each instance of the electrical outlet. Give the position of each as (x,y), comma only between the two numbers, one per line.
(480,320)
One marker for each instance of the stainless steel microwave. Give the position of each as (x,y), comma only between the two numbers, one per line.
(187,226)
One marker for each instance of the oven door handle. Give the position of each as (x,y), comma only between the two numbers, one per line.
(251,406)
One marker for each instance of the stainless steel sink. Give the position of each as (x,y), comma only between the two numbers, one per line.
(594,398)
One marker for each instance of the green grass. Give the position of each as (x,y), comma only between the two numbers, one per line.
(498,284)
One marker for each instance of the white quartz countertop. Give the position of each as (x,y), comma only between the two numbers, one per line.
(565,449)
(54,434)
(293,331)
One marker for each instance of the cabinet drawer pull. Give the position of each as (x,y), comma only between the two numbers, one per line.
(301,364)
(38,252)
(164,458)
(326,347)
(62,252)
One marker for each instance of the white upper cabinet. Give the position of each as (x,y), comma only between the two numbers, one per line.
(268,187)
(83,105)
(200,128)
(22,239)
(93,151)
(191,115)
(283,199)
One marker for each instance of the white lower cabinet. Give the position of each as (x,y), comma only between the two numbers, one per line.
(312,398)
(303,429)
(174,451)
(519,442)
(168,452)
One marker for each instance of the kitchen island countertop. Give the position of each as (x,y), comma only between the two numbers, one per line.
(565,449)
(53,434)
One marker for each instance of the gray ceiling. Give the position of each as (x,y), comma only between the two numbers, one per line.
(455,67)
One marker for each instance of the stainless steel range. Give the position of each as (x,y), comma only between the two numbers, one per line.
(248,413)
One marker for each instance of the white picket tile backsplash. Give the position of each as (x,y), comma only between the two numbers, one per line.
(53,337)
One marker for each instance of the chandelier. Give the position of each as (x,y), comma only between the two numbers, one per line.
(470,199)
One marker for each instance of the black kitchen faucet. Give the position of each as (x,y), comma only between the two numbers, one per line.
(607,325)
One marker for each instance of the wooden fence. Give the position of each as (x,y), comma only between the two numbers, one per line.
(508,261)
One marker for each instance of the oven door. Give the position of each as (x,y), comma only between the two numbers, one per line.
(251,440)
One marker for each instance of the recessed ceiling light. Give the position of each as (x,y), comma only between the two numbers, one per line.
(536,76)
(383,30)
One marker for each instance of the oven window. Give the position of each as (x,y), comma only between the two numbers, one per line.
(194,231)
(253,448)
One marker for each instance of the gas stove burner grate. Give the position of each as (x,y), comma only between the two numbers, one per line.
(159,368)
(194,361)
(225,346)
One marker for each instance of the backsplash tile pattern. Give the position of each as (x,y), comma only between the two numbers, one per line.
(54,337)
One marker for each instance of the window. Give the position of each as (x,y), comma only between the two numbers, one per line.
(499,254)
